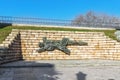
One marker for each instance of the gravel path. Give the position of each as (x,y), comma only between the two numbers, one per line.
(61,70)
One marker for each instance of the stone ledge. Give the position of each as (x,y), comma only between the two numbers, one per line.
(63,63)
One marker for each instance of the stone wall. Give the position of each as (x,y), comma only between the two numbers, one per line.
(10,49)
(99,46)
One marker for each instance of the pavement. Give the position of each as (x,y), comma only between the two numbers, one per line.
(61,70)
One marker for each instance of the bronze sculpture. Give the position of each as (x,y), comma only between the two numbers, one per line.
(50,45)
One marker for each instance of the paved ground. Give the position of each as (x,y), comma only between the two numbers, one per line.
(61,70)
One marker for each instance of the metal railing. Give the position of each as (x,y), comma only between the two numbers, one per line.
(54,22)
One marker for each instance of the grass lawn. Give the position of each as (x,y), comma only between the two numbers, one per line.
(6,30)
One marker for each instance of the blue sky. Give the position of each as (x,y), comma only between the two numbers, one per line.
(60,9)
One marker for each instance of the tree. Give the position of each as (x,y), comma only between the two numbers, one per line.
(93,19)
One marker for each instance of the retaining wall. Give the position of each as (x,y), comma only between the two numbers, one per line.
(99,45)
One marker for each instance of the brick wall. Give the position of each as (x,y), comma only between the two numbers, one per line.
(99,46)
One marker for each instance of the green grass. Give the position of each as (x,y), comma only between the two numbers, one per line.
(4,32)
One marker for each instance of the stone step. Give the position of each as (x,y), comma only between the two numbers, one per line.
(61,63)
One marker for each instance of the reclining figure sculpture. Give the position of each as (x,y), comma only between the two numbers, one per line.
(50,45)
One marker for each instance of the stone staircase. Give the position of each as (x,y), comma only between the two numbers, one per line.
(10,49)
